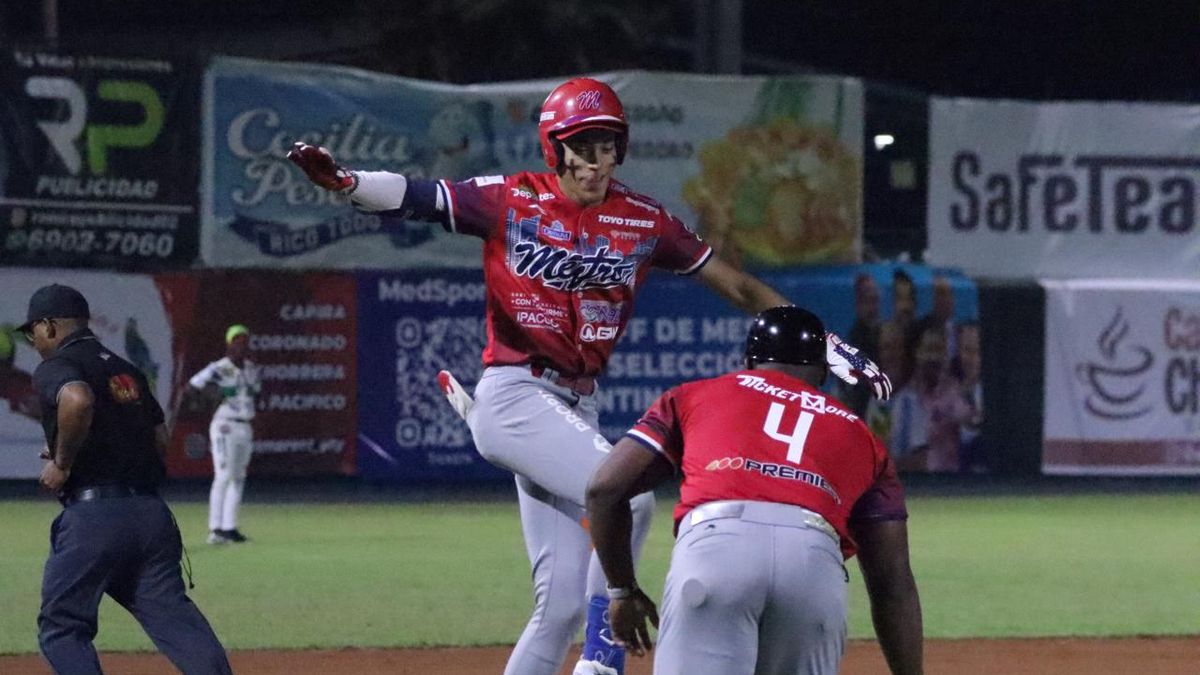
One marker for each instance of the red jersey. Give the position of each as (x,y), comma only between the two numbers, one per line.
(763,435)
(561,277)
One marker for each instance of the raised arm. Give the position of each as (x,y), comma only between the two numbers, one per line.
(466,207)
(369,190)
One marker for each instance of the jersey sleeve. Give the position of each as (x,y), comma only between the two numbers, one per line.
(679,249)
(659,429)
(884,500)
(51,376)
(472,206)
(202,378)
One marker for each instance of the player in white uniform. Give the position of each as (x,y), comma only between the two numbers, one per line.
(236,380)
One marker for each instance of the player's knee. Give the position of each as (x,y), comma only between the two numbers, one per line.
(57,623)
(487,451)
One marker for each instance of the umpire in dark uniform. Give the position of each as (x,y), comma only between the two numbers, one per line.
(105,436)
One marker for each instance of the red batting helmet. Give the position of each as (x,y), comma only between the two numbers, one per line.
(575,105)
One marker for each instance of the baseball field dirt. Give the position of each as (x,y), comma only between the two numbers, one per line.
(1037,656)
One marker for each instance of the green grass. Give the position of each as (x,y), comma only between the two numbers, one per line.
(455,573)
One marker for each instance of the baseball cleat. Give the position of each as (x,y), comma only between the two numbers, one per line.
(458,397)
(217,537)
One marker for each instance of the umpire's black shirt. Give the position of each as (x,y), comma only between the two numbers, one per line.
(120,448)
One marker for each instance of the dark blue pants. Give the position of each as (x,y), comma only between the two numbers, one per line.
(129,548)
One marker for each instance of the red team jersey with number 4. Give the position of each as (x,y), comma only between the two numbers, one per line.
(762,435)
(561,277)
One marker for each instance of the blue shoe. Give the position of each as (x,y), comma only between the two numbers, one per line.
(606,656)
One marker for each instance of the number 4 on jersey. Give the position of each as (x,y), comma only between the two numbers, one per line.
(798,436)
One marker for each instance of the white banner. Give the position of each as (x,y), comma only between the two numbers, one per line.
(1064,190)
(768,169)
(1122,377)
(127,316)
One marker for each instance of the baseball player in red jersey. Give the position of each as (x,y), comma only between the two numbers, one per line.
(564,253)
(780,485)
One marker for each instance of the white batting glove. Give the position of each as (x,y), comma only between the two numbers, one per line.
(849,365)
(458,397)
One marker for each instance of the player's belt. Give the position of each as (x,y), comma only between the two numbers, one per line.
(241,420)
(87,494)
(583,385)
(768,513)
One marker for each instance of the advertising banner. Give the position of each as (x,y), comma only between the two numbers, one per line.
(303,341)
(129,315)
(769,169)
(415,323)
(1122,377)
(98,160)
(171,326)
(411,325)
(1064,190)
(921,326)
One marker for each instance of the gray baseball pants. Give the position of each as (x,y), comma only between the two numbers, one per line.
(548,436)
(754,588)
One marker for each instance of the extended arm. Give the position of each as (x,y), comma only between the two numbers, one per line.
(375,191)
(892,592)
(753,296)
(741,290)
(201,395)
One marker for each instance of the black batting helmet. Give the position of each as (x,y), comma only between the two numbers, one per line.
(786,335)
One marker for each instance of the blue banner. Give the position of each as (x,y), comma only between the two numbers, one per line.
(668,341)
(414,323)
(260,210)
(411,325)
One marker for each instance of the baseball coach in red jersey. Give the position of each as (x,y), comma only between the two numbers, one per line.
(780,484)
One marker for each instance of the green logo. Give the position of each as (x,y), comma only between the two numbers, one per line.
(101,138)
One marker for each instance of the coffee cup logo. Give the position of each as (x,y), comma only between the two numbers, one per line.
(1118,379)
